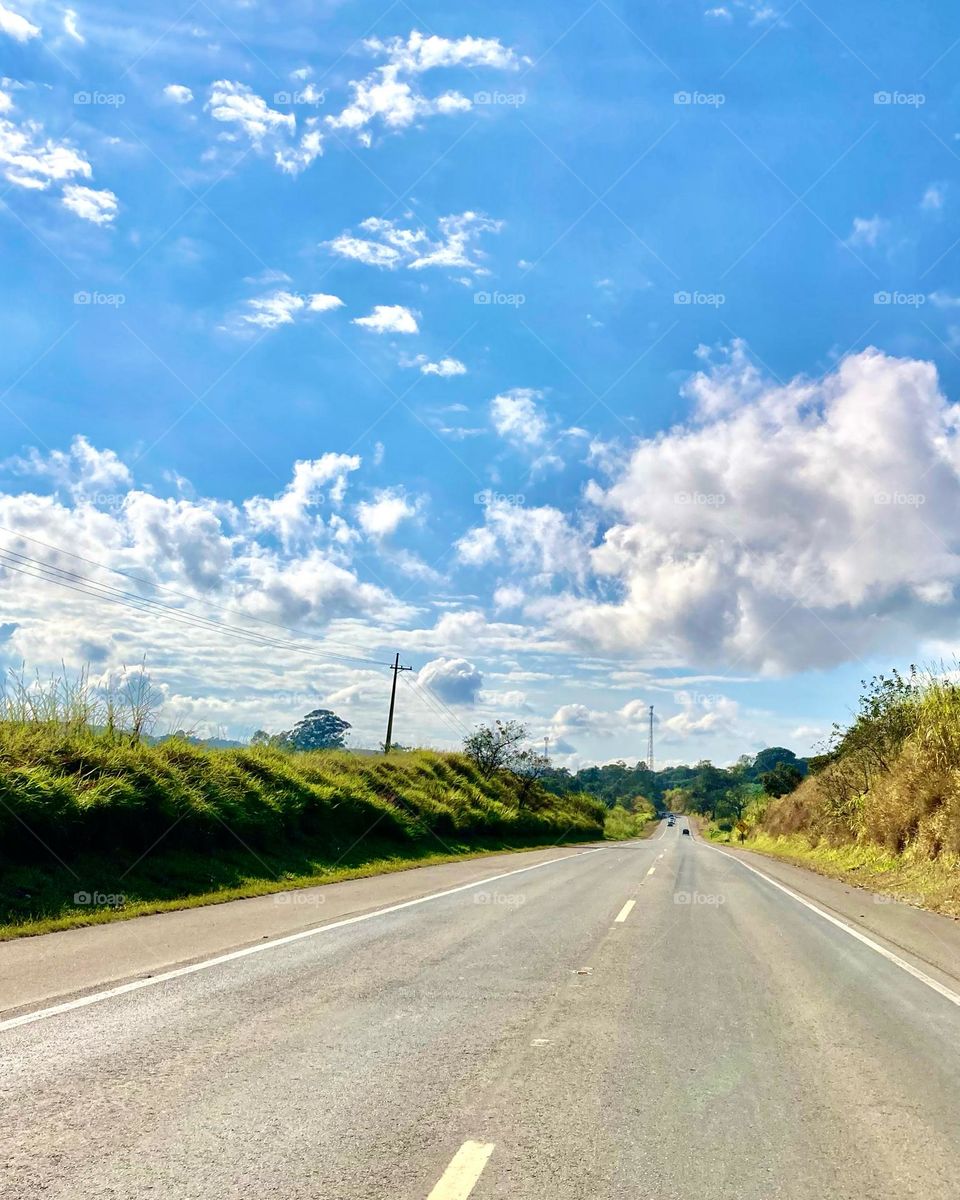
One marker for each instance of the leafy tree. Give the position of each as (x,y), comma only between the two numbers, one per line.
(495,747)
(529,766)
(318,730)
(771,757)
(782,780)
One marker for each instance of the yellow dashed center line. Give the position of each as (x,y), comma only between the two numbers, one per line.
(466,1167)
(625,911)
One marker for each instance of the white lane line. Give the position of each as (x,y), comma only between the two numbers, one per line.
(625,911)
(938,987)
(652,869)
(466,1167)
(178,972)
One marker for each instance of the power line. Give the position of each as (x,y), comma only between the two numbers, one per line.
(427,700)
(164,588)
(47,573)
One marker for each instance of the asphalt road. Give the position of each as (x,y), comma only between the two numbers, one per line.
(536,1036)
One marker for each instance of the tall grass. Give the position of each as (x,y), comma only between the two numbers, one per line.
(892,778)
(88,804)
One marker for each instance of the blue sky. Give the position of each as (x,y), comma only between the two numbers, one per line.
(592,356)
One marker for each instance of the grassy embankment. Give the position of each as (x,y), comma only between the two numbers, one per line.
(882,810)
(175,825)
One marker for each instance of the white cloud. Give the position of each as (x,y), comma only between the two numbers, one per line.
(389,318)
(17,27)
(32,160)
(391,245)
(446,368)
(179,93)
(516,416)
(239,107)
(81,472)
(100,207)
(867,231)
(382,516)
(934,197)
(390,95)
(70,26)
(316,483)
(806,526)
(281,307)
(454,680)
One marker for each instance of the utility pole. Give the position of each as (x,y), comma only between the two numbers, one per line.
(546,746)
(650,742)
(396,669)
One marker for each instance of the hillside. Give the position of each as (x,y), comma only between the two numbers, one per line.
(165,824)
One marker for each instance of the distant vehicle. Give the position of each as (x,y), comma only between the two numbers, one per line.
(671,821)
(685,832)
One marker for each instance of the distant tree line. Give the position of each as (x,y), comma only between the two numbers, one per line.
(720,793)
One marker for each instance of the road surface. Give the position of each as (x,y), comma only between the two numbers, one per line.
(646,1020)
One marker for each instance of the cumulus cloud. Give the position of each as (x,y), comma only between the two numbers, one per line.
(70,26)
(517,417)
(867,231)
(806,526)
(316,483)
(100,207)
(391,95)
(389,318)
(16,26)
(282,307)
(454,680)
(382,516)
(388,244)
(81,472)
(179,93)
(237,106)
(446,368)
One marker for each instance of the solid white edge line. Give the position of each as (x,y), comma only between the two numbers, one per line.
(178,972)
(652,869)
(625,911)
(466,1167)
(938,987)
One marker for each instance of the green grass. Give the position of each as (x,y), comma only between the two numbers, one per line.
(621,824)
(909,877)
(173,825)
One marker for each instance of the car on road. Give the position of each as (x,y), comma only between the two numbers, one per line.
(685,832)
